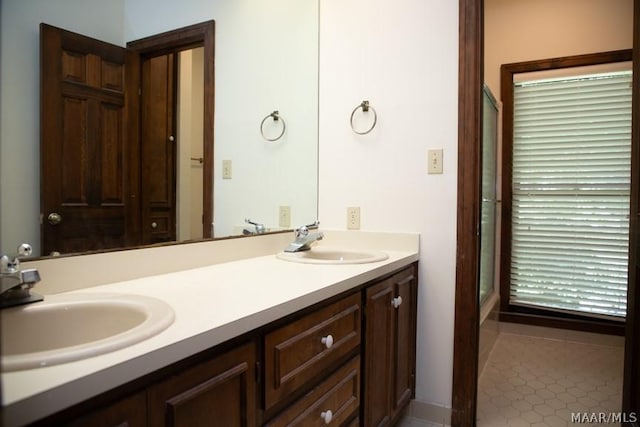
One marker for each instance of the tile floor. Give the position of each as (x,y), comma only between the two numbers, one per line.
(537,382)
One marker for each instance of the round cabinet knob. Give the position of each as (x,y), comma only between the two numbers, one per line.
(396,302)
(54,218)
(327,416)
(328,342)
(154,225)
(171,138)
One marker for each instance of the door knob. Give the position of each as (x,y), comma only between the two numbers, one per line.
(54,218)
(154,225)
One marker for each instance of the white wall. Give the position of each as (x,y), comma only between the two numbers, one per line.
(526,30)
(190,134)
(402,56)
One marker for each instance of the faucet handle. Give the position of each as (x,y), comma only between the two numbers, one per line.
(25,249)
(8,265)
(260,228)
(304,230)
(314,225)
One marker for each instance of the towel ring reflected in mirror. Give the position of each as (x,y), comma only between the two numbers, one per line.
(276,118)
(364,105)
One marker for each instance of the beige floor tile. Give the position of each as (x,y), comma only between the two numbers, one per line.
(533,381)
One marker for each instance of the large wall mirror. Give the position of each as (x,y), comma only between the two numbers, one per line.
(266,60)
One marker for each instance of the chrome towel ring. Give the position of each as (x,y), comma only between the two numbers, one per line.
(276,117)
(365,108)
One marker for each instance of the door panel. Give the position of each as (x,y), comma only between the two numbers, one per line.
(84,164)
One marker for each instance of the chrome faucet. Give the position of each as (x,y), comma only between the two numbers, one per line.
(259,228)
(304,239)
(16,284)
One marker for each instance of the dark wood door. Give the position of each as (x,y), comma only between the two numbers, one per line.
(158,142)
(220,392)
(86,189)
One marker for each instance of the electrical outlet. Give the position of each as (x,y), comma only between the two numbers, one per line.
(434,161)
(284,216)
(353,218)
(226,169)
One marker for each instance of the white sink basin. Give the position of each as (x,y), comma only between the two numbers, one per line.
(324,255)
(68,327)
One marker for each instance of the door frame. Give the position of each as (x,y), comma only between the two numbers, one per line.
(197,35)
(467,307)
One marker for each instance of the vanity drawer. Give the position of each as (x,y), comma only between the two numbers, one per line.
(334,401)
(304,349)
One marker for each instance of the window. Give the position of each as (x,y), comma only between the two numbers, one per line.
(569,189)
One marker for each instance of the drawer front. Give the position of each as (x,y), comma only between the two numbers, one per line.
(306,348)
(332,402)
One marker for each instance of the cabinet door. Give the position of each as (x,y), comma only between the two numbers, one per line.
(378,343)
(389,377)
(130,411)
(221,392)
(404,343)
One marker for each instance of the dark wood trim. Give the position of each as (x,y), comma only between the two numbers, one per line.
(569,61)
(181,39)
(631,385)
(507,72)
(132,129)
(549,320)
(467,307)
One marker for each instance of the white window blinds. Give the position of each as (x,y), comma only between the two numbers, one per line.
(570,184)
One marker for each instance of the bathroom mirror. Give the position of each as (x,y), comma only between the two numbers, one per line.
(266,60)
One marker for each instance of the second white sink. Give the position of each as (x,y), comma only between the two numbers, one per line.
(325,255)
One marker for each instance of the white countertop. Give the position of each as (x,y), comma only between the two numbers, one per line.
(212,304)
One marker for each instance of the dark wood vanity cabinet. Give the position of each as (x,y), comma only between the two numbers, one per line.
(347,362)
(304,349)
(389,347)
(312,366)
(221,391)
(130,411)
(335,401)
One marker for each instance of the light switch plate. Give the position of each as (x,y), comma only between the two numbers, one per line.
(226,169)
(284,216)
(353,218)
(434,161)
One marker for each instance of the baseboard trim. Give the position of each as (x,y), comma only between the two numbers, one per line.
(425,411)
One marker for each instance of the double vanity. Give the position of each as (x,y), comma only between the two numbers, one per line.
(243,332)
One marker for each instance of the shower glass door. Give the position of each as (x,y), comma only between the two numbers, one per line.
(489,200)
